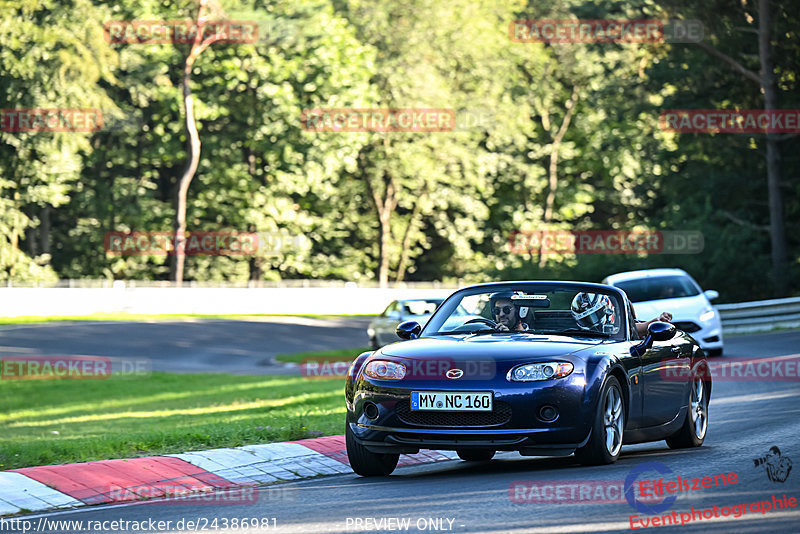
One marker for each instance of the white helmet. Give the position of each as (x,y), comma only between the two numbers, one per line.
(593,311)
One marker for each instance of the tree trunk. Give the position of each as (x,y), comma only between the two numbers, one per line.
(44,229)
(384,207)
(553,168)
(193,142)
(193,149)
(412,221)
(777,230)
(386,231)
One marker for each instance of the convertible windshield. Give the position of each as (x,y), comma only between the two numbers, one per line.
(572,310)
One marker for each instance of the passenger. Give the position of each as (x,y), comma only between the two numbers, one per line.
(595,311)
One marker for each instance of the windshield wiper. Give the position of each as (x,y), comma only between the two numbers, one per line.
(482,331)
(465,332)
(575,331)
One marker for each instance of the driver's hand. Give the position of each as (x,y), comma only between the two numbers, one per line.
(666,317)
(501,327)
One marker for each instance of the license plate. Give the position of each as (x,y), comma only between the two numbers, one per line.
(462,401)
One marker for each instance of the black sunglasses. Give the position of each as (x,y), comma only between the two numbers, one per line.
(505,309)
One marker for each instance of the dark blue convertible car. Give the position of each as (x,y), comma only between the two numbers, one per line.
(543,368)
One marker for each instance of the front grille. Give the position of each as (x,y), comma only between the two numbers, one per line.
(687,326)
(500,415)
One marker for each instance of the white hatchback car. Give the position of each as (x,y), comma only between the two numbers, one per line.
(653,291)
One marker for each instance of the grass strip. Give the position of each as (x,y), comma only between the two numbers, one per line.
(44,422)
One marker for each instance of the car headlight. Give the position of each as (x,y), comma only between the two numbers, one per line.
(539,371)
(707,315)
(385,370)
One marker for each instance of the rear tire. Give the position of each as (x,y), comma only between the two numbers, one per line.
(475,455)
(366,463)
(694,428)
(605,442)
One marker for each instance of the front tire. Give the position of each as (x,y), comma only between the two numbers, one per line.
(475,455)
(605,442)
(694,428)
(366,463)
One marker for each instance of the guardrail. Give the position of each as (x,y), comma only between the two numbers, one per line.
(760,315)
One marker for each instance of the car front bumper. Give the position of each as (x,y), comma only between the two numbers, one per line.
(515,422)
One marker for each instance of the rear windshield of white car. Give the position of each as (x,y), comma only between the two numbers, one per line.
(660,287)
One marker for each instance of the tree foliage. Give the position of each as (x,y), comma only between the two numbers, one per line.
(553,136)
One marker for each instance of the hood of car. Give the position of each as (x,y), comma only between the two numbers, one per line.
(682,309)
(488,346)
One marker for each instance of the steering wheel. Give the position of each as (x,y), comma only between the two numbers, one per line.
(481,320)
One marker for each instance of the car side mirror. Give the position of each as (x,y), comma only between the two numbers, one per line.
(711,294)
(661,331)
(408,330)
(656,331)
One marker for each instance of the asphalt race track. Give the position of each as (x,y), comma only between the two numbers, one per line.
(746,419)
(198,345)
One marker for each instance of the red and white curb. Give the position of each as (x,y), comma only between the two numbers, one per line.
(112,481)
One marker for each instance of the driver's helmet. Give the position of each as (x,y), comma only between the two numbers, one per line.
(593,311)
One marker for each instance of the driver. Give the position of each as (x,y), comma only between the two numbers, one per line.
(506,314)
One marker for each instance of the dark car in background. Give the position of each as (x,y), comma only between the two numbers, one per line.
(381,330)
(572,376)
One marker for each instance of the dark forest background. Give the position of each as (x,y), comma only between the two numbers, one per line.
(563,137)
